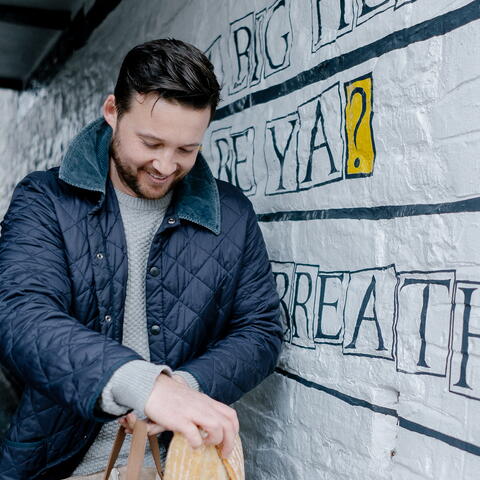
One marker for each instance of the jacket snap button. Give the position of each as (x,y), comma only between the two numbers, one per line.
(154,272)
(154,329)
(108,318)
(100,256)
(171,220)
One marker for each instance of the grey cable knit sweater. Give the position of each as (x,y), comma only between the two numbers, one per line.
(131,385)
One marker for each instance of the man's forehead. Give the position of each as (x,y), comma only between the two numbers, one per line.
(156,119)
(150,101)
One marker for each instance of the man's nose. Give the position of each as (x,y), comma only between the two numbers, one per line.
(164,163)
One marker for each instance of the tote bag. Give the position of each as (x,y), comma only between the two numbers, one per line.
(183,462)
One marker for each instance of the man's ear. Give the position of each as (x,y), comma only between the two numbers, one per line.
(110,111)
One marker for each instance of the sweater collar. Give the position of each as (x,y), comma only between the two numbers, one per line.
(86,163)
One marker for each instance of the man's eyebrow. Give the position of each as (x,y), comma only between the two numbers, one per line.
(157,139)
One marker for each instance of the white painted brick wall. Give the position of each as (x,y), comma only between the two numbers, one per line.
(330,412)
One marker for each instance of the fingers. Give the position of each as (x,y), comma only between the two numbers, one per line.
(221,429)
(212,433)
(228,440)
(192,434)
(123,422)
(219,426)
(230,414)
(128,422)
(177,408)
(230,428)
(153,428)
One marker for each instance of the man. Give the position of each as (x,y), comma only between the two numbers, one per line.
(131,279)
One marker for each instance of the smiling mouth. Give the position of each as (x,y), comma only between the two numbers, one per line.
(158,178)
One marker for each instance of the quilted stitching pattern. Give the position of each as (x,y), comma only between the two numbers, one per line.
(214,301)
(49,314)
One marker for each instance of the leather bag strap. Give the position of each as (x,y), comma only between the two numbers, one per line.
(137,451)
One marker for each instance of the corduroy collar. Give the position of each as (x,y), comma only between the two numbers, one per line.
(86,164)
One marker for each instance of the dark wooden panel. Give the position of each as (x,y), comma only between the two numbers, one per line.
(35,17)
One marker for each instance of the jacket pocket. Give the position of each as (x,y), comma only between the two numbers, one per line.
(22,460)
(23,445)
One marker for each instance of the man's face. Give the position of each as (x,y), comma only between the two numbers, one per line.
(154,144)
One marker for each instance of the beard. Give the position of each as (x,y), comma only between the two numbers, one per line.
(130,177)
(124,172)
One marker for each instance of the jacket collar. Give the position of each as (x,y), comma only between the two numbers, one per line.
(86,163)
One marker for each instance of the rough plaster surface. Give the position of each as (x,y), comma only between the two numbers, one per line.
(365,388)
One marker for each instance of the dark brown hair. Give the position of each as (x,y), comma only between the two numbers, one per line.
(171,68)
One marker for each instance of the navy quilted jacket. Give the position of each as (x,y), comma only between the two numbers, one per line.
(212,308)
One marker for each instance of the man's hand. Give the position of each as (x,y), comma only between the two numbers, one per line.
(128,421)
(174,406)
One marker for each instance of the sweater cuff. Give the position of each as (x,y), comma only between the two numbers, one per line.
(189,378)
(130,386)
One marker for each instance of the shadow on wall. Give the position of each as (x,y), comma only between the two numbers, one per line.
(10,391)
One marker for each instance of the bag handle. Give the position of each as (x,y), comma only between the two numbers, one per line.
(137,451)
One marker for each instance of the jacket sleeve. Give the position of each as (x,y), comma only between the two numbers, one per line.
(40,342)
(249,351)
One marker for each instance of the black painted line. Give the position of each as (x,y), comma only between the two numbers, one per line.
(356,402)
(385,212)
(448,439)
(402,422)
(400,39)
